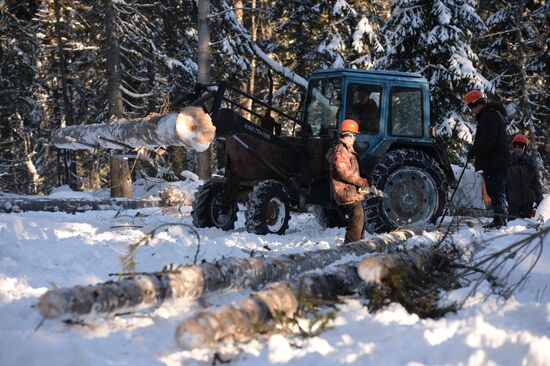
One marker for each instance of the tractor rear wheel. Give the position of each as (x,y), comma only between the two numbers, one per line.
(210,209)
(268,208)
(329,217)
(415,191)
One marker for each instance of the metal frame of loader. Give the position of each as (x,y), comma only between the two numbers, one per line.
(229,123)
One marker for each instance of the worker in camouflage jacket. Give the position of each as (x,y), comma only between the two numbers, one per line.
(347,186)
(491,151)
(524,189)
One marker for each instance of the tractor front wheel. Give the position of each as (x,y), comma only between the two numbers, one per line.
(268,208)
(415,191)
(211,207)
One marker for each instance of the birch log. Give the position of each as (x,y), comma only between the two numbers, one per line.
(279,300)
(375,268)
(252,315)
(191,128)
(143,291)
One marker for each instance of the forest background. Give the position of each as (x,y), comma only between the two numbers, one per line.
(80,62)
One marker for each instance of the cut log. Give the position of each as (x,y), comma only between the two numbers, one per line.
(375,268)
(147,290)
(279,300)
(191,128)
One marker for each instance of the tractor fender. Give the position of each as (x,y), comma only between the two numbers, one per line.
(369,160)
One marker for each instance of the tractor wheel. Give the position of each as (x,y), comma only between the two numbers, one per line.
(329,216)
(415,191)
(268,208)
(209,209)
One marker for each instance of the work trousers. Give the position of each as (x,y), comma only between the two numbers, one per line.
(495,180)
(355,229)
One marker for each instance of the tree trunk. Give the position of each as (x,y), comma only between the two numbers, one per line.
(191,128)
(279,300)
(193,281)
(375,268)
(68,158)
(119,169)
(203,158)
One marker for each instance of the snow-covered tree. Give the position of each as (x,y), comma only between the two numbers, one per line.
(22,144)
(433,37)
(515,53)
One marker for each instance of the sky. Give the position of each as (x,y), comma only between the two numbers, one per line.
(45,250)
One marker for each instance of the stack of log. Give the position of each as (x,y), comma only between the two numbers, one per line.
(191,128)
(278,299)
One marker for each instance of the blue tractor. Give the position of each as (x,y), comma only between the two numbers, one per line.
(273,173)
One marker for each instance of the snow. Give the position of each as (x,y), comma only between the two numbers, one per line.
(40,250)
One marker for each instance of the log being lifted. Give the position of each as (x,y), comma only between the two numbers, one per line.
(191,127)
(282,300)
(143,291)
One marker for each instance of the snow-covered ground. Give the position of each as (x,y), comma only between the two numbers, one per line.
(40,250)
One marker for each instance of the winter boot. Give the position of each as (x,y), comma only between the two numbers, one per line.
(498,221)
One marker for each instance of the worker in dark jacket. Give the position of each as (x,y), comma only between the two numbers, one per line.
(491,151)
(347,186)
(524,188)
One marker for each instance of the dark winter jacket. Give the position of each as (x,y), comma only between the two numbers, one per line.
(344,175)
(491,148)
(524,186)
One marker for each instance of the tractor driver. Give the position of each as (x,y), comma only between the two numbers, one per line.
(366,112)
(348,188)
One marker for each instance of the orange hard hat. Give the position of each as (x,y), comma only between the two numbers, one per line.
(474,96)
(349,125)
(520,139)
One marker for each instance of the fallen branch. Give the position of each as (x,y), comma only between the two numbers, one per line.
(139,292)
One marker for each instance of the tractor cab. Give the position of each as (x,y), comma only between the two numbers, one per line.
(387,105)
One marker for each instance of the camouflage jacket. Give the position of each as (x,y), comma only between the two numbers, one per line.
(344,175)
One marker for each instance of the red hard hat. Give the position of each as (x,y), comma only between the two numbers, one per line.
(473,96)
(349,125)
(520,139)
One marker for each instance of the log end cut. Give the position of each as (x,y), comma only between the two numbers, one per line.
(374,269)
(52,304)
(195,128)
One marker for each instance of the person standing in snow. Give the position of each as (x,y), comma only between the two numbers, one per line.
(491,151)
(524,188)
(347,186)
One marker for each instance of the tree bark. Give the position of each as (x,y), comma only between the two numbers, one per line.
(193,281)
(203,158)
(191,128)
(375,268)
(119,168)
(68,158)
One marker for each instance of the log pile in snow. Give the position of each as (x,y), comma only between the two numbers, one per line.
(191,128)
(143,291)
(283,299)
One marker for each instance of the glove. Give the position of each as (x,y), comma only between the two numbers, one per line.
(470,155)
(372,190)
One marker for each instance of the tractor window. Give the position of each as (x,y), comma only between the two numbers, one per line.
(363,106)
(406,112)
(323,104)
